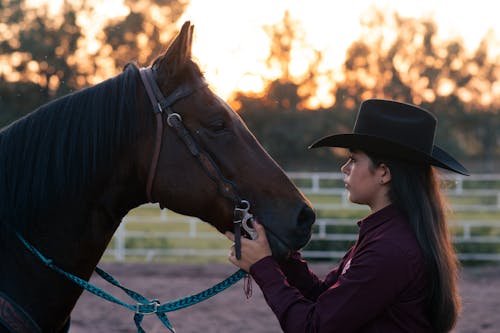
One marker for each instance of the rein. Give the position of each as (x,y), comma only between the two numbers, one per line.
(143,306)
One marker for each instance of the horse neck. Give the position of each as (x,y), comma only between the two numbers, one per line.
(75,240)
(74,234)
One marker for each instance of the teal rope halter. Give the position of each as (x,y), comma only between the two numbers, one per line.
(143,306)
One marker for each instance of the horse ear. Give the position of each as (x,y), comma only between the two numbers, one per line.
(179,51)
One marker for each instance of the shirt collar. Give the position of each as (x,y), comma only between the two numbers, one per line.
(372,221)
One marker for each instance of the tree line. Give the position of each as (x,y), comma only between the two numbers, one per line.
(461,87)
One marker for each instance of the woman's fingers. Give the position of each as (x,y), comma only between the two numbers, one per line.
(232,259)
(229,235)
(251,250)
(261,232)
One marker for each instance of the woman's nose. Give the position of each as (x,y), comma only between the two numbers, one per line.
(344,168)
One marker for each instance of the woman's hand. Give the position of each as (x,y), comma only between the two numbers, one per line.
(251,250)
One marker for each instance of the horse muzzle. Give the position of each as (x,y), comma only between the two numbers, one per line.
(285,238)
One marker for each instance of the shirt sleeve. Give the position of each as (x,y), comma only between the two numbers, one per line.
(373,280)
(299,275)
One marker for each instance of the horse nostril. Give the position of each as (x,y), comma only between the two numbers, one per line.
(306,219)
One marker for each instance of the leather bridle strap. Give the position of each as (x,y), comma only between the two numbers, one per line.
(159,132)
(163,105)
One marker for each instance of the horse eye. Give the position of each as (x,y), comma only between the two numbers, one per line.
(218,127)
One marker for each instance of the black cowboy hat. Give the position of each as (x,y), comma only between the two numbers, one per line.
(396,130)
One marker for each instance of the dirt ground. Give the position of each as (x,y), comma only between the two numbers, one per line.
(230,311)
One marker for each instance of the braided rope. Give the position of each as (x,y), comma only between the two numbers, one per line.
(204,295)
(144,306)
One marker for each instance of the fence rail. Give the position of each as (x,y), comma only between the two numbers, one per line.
(479,186)
(475,194)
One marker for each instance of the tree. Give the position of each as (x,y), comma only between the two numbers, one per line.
(396,58)
(45,55)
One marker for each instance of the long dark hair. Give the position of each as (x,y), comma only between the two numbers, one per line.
(415,191)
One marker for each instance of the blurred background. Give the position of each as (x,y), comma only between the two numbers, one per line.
(294,70)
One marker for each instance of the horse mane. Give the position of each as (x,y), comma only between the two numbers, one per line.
(51,156)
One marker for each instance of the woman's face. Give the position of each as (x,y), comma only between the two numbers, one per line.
(365,182)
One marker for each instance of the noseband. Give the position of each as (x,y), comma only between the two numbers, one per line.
(163,105)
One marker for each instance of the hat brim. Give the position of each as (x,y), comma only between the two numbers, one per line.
(388,148)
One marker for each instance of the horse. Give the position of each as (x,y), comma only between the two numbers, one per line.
(72,169)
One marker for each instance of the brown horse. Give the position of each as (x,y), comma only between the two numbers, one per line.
(73,168)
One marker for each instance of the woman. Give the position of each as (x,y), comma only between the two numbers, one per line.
(401,274)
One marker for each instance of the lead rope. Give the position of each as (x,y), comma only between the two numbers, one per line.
(143,306)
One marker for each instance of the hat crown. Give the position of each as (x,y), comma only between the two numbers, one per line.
(401,123)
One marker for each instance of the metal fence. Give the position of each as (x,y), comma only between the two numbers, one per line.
(476,238)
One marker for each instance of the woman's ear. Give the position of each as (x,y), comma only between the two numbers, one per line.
(384,173)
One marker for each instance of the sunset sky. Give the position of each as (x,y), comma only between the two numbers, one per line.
(231,45)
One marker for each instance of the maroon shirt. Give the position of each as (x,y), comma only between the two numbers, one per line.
(379,286)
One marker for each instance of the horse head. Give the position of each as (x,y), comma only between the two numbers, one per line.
(237,160)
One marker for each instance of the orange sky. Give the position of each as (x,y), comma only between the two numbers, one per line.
(231,45)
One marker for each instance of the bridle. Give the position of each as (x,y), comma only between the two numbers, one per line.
(163,106)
